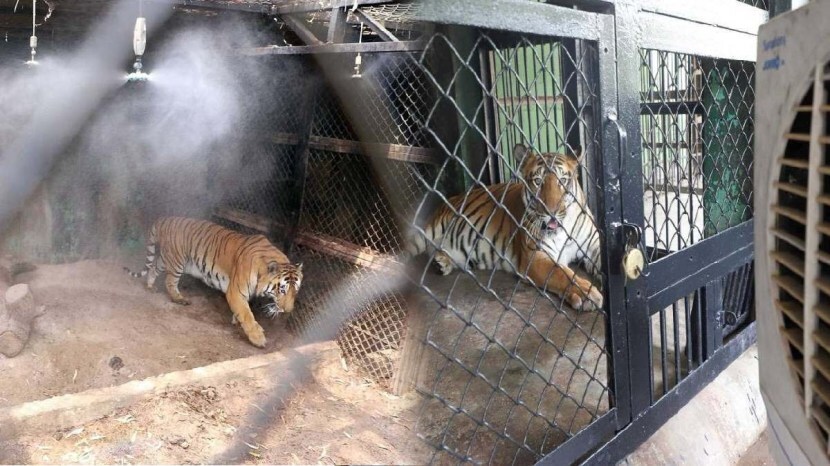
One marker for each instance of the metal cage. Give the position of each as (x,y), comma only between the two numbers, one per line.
(659,109)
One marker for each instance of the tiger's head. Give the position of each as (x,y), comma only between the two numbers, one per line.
(551,188)
(281,283)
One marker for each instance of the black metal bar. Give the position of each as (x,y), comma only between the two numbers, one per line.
(609,215)
(570,107)
(485,74)
(698,256)
(700,278)
(631,437)
(582,443)
(630,185)
(688,308)
(713,308)
(689,107)
(724,265)
(526,17)
(664,356)
(676,328)
(365,47)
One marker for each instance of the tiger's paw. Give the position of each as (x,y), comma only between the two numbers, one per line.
(444,263)
(182,301)
(590,301)
(256,336)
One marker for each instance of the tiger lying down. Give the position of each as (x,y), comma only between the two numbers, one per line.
(557,229)
(242,266)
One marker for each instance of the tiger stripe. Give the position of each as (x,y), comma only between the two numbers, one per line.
(536,226)
(241,266)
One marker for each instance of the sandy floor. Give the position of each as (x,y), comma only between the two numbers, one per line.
(326,417)
(102,328)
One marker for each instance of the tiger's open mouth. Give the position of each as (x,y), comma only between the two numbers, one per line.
(551,225)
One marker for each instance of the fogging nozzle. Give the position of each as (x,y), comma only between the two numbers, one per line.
(140,36)
(33,45)
(357,62)
(139,44)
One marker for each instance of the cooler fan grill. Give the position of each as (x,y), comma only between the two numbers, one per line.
(801,251)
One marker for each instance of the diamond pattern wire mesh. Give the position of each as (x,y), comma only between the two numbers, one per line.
(697,127)
(508,370)
(346,204)
(392,102)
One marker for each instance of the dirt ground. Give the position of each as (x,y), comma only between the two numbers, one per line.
(330,417)
(102,328)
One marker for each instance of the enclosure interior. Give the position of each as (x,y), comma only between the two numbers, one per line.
(336,163)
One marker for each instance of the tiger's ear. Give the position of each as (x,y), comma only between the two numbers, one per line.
(273,267)
(300,266)
(578,153)
(519,154)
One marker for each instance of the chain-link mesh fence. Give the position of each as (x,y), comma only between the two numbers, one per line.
(508,368)
(485,148)
(697,131)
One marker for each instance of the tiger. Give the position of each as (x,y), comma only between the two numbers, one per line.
(534,226)
(241,266)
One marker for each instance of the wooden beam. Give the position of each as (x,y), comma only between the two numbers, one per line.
(349,252)
(374,149)
(365,47)
(301,30)
(336,247)
(303,6)
(375,26)
(337,26)
(397,25)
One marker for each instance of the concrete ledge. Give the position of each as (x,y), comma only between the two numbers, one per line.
(716,427)
(65,411)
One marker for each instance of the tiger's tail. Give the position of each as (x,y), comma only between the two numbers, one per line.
(151,256)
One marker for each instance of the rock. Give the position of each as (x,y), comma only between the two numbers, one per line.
(116,363)
(16,320)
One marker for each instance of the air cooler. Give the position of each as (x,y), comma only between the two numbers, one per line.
(792,231)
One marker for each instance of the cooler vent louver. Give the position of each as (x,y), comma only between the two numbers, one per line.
(800,253)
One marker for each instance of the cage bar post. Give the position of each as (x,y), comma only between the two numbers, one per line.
(711,318)
(493,160)
(472,149)
(631,192)
(301,169)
